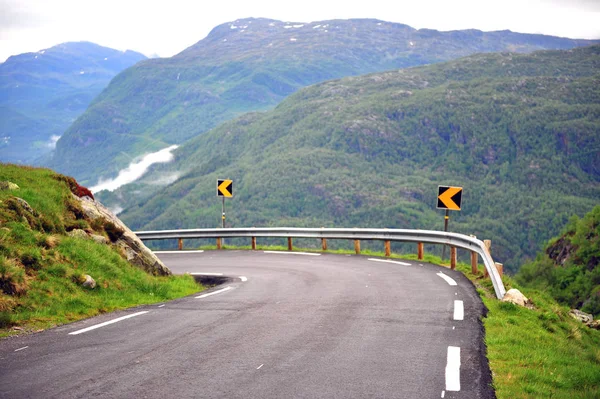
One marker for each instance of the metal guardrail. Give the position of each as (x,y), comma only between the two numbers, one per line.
(400,235)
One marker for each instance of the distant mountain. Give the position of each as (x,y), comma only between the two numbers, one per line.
(42,93)
(518,131)
(250,65)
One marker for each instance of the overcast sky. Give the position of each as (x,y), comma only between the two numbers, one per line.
(167,27)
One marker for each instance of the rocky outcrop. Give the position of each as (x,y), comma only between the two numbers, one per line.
(89,282)
(132,248)
(6,185)
(515,296)
(581,316)
(77,233)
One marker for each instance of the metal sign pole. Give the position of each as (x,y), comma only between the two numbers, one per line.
(223,213)
(446,218)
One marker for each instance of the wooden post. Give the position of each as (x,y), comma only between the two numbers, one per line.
(219,243)
(324,244)
(420,251)
(254,243)
(452,258)
(388,248)
(500,268)
(474,263)
(180,244)
(488,246)
(290,248)
(357,246)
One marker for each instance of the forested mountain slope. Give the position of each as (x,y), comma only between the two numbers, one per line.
(248,65)
(518,132)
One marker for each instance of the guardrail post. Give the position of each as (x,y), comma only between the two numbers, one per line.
(452,258)
(357,246)
(500,268)
(219,243)
(290,248)
(180,244)
(420,251)
(488,248)
(474,263)
(254,243)
(388,248)
(324,244)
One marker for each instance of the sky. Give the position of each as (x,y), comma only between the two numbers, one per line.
(165,28)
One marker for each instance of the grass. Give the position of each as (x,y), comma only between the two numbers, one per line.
(41,268)
(533,353)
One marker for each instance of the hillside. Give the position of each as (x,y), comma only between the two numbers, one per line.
(249,65)
(42,93)
(51,239)
(569,267)
(518,132)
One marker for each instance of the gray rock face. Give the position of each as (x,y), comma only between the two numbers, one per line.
(6,185)
(581,316)
(515,296)
(99,239)
(78,233)
(131,246)
(89,282)
(26,206)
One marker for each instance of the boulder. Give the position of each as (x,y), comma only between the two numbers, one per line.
(89,282)
(515,296)
(594,324)
(581,316)
(99,239)
(26,206)
(6,185)
(132,247)
(78,233)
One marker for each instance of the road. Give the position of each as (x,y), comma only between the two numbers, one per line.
(284,326)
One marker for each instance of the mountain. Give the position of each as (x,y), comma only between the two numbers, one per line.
(251,65)
(518,131)
(42,93)
(569,267)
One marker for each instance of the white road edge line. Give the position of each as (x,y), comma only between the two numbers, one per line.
(160,306)
(453,369)
(198,251)
(291,253)
(20,349)
(459,310)
(258,368)
(448,279)
(243,278)
(389,261)
(214,293)
(206,274)
(106,323)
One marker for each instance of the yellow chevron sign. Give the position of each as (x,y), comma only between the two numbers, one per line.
(225,188)
(449,198)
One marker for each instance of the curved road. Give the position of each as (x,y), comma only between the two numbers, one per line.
(285,326)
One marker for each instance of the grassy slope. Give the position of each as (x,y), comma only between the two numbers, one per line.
(519,132)
(41,269)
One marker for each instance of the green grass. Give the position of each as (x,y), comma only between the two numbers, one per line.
(41,269)
(533,353)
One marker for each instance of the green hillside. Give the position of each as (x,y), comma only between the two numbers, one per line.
(249,65)
(43,264)
(42,93)
(518,132)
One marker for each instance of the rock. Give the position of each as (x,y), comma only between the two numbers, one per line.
(594,324)
(515,296)
(131,246)
(99,239)
(25,206)
(89,282)
(6,185)
(78,233)
(581,316)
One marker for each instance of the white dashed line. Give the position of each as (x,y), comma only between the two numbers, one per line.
(443,394)
(160,306)
(291,253)
(389,261)
(459,310)
(448,279)
(214,293)
(258,368)
(106,323)
(243,278)
(206,274)
(453,369)
(179,252)
(20,349)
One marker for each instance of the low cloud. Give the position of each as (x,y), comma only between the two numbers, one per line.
(135,170)
(52,143)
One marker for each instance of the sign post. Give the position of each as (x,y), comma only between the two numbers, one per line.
(224,190)
(449,198)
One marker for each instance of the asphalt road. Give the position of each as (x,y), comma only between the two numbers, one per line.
(284,326)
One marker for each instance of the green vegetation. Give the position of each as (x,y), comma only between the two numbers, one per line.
(569,268)
(251,65)
(42,269)
(518,132)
